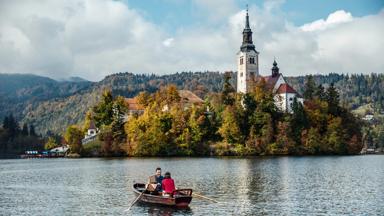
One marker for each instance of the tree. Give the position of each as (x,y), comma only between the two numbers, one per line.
(50,144)
(73,137)
(230,130)
(104,110)
(336,137)
(309,89)
(320,93)
(228,90)
(284,142)
(298,121)
(87,121)
(117,125)
(11,126)
(144,98)
(32,130)
(24,131)
(312,141)
(333,100)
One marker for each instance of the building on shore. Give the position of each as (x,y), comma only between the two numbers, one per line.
(91,133)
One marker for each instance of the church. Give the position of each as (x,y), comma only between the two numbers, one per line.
(248,73)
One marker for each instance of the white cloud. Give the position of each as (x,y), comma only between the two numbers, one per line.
(333,19)
(94,38)
(168,42)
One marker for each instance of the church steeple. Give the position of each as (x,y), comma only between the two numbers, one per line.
(275,69)
(247,61)
(247,44)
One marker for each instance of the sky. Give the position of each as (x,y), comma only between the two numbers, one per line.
(95,38)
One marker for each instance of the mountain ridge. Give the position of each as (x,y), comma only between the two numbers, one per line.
(51,105)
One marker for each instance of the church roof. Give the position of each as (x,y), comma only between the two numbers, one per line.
(285,88)
(92,126)
(271,80)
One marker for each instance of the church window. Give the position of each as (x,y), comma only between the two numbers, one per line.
(241,60)
(241,74)
(252,60)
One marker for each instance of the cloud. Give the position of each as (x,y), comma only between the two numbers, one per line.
(333,19)
(94,38)
(168,42)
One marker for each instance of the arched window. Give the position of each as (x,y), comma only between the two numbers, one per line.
(252,60)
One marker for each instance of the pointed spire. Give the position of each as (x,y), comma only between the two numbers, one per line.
(247,20)
(275,69)
(247,44)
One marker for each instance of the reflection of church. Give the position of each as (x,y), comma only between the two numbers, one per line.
(248,73)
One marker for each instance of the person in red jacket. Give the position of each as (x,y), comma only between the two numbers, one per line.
(168,185)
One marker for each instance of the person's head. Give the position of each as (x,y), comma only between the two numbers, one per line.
(167,175)
(158,171)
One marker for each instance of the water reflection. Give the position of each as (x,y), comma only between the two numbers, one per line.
(163,210)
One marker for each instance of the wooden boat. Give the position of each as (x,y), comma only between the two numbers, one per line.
(180,199)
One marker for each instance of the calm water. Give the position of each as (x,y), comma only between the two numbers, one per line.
(257,186)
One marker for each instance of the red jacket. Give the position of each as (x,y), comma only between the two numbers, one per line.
(168,185)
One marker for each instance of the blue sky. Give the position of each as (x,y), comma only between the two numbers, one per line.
(176,13)
(95,38)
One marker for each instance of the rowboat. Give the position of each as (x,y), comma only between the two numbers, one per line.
(180,199)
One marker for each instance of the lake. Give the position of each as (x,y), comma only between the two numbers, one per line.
(334,185)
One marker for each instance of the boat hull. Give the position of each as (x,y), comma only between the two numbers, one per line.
(181,199)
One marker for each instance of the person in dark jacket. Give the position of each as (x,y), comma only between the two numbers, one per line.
(154,182)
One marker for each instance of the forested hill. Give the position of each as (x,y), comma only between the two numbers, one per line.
(53,105)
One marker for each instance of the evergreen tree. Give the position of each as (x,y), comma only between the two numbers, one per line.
(113,135)
(333,100)
(104,110)
(32,130)
(320,93)
(310,87)
(24,131)
(228,90)
(11,126)
(298,120)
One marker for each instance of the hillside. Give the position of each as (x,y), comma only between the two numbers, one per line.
(52,105)
(19,91)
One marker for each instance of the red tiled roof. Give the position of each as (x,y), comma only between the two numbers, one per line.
(133,104)
(271,81)
(189,97)
(285,88)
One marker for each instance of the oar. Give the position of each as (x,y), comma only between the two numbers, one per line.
(135,201)
(201,196)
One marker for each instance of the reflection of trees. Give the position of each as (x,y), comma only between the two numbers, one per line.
(166,211)
(266,183)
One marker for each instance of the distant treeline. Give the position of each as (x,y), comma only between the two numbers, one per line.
(15,140)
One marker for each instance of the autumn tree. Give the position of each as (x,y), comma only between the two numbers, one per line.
(73,137)
(51,143)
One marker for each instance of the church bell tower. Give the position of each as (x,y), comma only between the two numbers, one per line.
(247,61)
